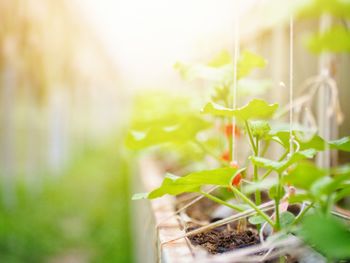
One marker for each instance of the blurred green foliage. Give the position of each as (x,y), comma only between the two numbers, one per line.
(328,235)
(79,215)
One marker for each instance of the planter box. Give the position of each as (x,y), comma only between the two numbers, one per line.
(149,214)
(149,236)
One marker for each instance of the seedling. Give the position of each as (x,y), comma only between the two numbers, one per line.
(291,178)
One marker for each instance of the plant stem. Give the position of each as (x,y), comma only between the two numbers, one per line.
(284,155)
(252,205)
(264,150)
(256,176)
(277,202)
(218,200)
(301,215)
(250,135)
(277,208)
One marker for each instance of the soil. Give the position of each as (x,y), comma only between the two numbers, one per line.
(223,239)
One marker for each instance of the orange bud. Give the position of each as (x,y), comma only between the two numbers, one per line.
(226,156)
(236,180)
(229,129)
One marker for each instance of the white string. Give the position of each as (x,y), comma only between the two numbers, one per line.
(291,101)
(234,88)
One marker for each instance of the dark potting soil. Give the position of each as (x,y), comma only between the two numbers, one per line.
(223,239)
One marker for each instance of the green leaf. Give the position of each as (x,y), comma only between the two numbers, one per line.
(192,182)
(304,175)
(316,8)
(256,220)
(260,128)
(255,109)
(183,131)
(299,198)
(315,142)
(327,185)
(342,194)
(286,219)
(327,235)
(283,165)
(249,61)
(342,144)
(217,110)
(320,187)
(220,68)
(335,40)
(216,74)
(170,185)
(274,194)
(221,59)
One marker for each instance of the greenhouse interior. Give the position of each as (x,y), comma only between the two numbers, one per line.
(174,131)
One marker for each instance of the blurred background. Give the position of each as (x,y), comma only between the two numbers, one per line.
(69,71)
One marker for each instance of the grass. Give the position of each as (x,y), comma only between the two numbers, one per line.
(82,214)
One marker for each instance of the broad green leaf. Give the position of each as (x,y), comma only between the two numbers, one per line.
(320,187)
(171,186)
(217,74)
(192,182)
(316,142)
(342,144)
(329,185)
(259,128)
(220,68)
(286,219)
(246,87)
(256,220)
(283,165)
(160,108)
(249,61)
(299,198)
(185,130)
(217,110)
(341,170)
(255,109)
(327,235)
(282,137)
(316,8)
(221,59)
(304,175)
(342,194)
(335,40)
(276,194)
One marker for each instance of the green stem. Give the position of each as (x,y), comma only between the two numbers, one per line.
(284,155)
(256,176)
(218,200)
(266,147)
(277,208)
(252,205)
(301,215)
(277,202)
(250,136)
